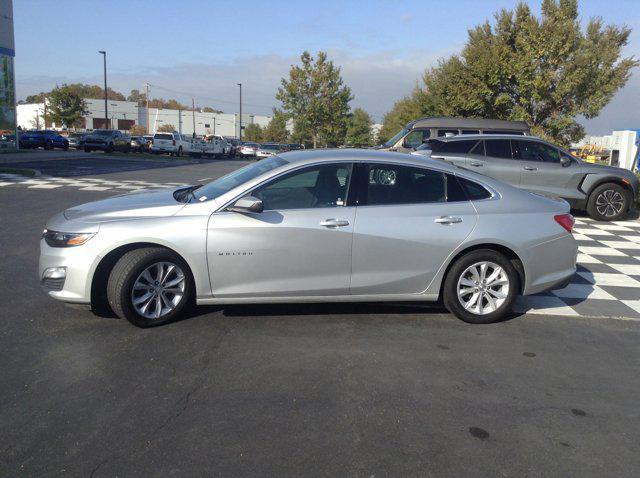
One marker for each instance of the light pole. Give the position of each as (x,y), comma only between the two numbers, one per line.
(106,112)
(240,129)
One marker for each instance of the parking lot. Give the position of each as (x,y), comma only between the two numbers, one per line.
(333,389)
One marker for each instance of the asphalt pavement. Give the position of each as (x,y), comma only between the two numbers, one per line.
(299,390)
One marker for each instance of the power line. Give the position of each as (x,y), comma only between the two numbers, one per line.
(218,100)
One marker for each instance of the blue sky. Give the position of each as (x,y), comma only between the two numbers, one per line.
(202,49)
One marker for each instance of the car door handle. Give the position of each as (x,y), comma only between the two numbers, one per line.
(334,223)
(476,164)
(530,168)
(448,220)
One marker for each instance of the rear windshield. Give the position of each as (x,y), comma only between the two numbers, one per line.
(163,136)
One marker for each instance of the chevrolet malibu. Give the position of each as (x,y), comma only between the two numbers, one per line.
(313,226)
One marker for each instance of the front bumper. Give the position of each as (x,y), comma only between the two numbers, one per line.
(78,263)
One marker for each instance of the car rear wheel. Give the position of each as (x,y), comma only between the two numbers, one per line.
(608,202)
(150,286)
(87,150)
(481,287)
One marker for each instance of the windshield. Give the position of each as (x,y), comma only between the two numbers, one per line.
(395,139)
(236,178)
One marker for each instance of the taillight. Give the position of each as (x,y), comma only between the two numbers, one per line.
(565,220)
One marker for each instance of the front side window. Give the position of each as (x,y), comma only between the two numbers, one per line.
(391,184)
(314,187)
(498,148)
(416,138)
(534,151)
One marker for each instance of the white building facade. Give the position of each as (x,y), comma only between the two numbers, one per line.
(123,115)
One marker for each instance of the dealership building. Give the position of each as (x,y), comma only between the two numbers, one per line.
(7,74)
(123,115)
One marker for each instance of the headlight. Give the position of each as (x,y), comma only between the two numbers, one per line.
(66,239)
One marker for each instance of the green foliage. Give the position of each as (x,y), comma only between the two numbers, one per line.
(276,130)
(82,90)
(359,129)
(405,110)
(137,130)
(252,132)
(166,128)
(545,71)
(137,97)
(317,98)
(65,106)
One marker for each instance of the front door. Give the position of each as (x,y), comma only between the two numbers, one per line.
(300,245)
(408,222)
(541,169)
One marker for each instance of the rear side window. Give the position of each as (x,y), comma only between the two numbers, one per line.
(478,149)
(498,148)
(163,136)
(473,190)
(502,131)
(460,147)
(470,131)
(392,184)
(445,132)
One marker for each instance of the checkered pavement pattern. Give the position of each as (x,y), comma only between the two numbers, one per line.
(82,184)
(607,282)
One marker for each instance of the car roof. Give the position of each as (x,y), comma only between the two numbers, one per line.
(355,154)
(460,137)
(471,123)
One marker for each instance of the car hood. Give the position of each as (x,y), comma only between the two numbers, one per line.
(154,203)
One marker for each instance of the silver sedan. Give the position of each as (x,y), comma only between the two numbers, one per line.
(313,226)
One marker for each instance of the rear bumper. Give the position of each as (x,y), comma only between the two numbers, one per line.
(550,264)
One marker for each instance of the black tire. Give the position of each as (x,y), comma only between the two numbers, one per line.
(124,275)
(87,150)
(66,147)
(607,198)
(450,287)
(48,145)
(109,148)
(179,153)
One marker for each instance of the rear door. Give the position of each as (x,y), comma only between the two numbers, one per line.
(494,158)
(408,220)
(454,152)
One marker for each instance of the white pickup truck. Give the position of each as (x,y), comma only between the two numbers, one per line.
(172,143)
(211,148)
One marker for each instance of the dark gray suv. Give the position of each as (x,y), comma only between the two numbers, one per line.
(605,192)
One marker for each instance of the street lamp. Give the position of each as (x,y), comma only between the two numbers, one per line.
(106,113)
(240,129)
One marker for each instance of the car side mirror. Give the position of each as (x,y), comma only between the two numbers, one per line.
(247,204)
(564,161)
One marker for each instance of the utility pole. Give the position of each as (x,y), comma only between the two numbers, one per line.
(193,108)
(240,129)
(45,113)
(214,125)
(146,95)
(106,112)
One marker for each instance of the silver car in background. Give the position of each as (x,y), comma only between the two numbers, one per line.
(313,226)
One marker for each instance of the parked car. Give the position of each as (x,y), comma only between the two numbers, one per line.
(284,230)
(46,139)
(268,149)
(7,140)
(107,140)
(149,139)
(605,192)
(295,146)
(248,149)
(234,145)
(419,131)
(76,140)
(172,143)
(139,144)
(211,148)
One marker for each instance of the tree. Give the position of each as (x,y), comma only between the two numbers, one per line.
(316,98)
(82,90)
(166,128)
(65,106)
(407,109)
(545,71)
(276,130)
(252,132)
(209,109)
(137,130)
(137,97)
(359,129)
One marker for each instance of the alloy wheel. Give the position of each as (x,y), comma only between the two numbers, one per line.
(609,203)
(158,290)
(483,287)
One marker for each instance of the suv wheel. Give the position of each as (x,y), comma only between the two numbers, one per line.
(109,148)
(149,287)
(481,287)
(608,202)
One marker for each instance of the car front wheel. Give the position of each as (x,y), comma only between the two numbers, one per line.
(608,202)
(481,287)
(150,286)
